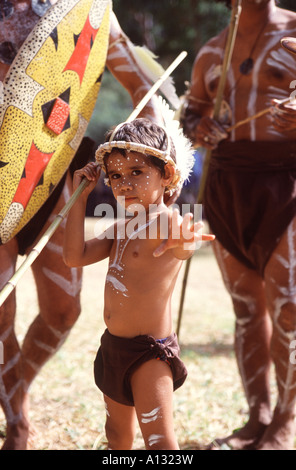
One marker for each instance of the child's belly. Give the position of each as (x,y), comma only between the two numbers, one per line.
(129,313)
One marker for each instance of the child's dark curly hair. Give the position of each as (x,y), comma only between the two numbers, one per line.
(144,131)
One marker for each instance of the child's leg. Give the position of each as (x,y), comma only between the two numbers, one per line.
(120,425)
(152,387)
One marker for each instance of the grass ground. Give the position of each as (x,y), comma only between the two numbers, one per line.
(67,410)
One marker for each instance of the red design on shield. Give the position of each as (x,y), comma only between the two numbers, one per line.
(79,58)
(36,163)
(58,116)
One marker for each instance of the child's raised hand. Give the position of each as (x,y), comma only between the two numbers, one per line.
(183,236)
(92,172)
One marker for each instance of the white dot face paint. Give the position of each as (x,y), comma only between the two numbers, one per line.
(134,178)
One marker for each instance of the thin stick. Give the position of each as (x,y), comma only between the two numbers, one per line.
(236,11)
(182,298)
(221,87)
(156,86)
(11,284)
(256,116)
(252,118)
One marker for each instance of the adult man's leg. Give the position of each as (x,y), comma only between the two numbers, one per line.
(11,378)
(252,345)
(280,276)
(58,290)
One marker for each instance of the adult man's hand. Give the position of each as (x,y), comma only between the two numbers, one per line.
(209,133)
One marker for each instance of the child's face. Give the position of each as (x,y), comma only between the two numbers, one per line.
(135,178)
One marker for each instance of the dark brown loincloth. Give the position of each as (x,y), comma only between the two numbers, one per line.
(250,197)
(118,358)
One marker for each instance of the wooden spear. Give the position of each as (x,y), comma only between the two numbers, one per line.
(261,113)
(11,284)
(235,16)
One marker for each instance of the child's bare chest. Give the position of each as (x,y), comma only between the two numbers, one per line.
(131,253)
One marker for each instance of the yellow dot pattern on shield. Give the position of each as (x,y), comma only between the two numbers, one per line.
(49,96)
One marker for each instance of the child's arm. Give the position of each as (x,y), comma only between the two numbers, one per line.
(77,252)
(183,237)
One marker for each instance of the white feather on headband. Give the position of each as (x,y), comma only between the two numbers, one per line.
(183,148)
(146,60)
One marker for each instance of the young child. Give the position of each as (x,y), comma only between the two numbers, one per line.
(137,366)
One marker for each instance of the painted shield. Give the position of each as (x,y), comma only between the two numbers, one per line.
(48,98)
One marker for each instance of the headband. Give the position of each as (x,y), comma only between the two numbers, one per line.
(184,151)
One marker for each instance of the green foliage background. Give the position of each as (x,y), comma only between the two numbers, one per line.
(166,27)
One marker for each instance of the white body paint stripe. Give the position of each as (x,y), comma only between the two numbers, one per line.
(152,416)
